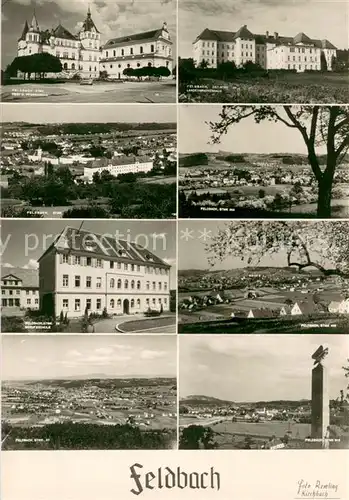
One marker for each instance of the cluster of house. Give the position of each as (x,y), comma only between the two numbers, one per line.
(161,149)
(241,413)
(222,178)
(253,306)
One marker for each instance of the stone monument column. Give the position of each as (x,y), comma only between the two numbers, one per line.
(320,401)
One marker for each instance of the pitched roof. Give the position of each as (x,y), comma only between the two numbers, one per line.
(213,35)
(308,307)
(74,241)
(24,32)
(243,32)
(29,277)
(138,37)
(302,38)
(324,44)
(121,160)
(61,32)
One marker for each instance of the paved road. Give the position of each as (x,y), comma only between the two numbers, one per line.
(142,92)
(108,325)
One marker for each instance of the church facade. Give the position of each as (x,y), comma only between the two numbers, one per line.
(270,51)
(83,53)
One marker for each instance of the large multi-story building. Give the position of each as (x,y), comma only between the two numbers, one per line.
(19,289)
(83,54)
(120,165)
(152,48)
(270,51)
(79,54)
(83,271)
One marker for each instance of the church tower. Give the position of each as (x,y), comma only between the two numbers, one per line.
(90,39)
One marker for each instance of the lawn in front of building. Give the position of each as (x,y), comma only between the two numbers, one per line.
(302,88)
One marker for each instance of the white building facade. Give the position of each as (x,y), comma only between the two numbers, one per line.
(83,53)
(83,272)
(19,289)
(152,48)
(270,51)
(120,165)
(79,54)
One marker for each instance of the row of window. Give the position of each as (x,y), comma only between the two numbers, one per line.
(33,38)
(11,283)
(18,292)
(88,34)
(77,260)
(93,46)
(301,49)
(17,302)
(305,59)
(113,283)
(65,55)
(300,66)
(131,51)
(133,303)
(130,65)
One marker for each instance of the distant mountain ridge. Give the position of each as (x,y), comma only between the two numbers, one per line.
(242,270)
(201,400)
(299,158)
(90,378)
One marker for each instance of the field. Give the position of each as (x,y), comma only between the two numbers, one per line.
(303,88)
(160,179)
(310,325)
(233,435)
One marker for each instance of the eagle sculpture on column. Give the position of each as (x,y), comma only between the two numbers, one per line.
(320,353)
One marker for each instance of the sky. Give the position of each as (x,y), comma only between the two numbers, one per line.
(53,356)
(255,368)
(94,113)
(24,241)
(319,19)
(112,18)
(193,236)
(238,138)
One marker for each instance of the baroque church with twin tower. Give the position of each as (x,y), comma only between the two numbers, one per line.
(83,53)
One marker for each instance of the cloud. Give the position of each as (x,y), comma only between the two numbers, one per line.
(74,354)
(32,264)
(149,354)
(104,351)
(7,264)
(114,18)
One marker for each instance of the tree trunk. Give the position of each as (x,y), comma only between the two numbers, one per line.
(324,198)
